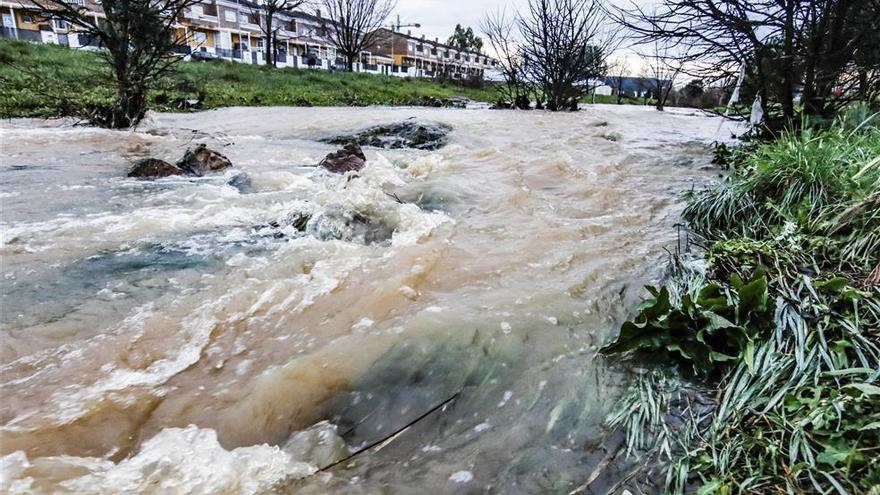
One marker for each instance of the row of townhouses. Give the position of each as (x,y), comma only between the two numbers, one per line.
(231,30)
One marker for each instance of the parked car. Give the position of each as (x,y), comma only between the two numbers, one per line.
(204,56)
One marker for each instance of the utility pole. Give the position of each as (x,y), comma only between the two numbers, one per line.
(395,26)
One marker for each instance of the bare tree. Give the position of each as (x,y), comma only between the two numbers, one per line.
(617,72)
(266,11)
(565,44)
(354,23)
(787,47)
(139,42)
(662,69)
(500,31)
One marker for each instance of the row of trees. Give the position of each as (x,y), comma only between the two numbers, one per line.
(801,57)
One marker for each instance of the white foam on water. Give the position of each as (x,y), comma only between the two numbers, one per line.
(461,477)
(177,460)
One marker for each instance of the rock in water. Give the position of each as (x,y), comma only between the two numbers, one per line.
(153,167)
(340,223)
(242,182)
(407,134)
(202,160)
(349,158)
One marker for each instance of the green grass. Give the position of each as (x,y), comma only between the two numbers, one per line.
(50,80)
(797,409)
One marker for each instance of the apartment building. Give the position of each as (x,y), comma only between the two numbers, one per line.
(21,20)
(419,57)
(232,30)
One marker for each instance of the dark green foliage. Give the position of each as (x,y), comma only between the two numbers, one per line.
(703,328)
(465,39)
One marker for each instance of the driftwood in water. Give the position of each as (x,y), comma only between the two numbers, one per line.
(382,442)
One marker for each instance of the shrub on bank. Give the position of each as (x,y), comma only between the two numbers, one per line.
(798,398)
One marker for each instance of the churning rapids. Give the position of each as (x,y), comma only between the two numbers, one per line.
(161,337)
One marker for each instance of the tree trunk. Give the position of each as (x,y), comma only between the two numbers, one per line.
(270,53)
(788,55)
(129,108)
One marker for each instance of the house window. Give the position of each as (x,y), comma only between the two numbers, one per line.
(291,26)
(7,21)
(200,37)
(230,16)
(418,48)
(59,23)
(197,10)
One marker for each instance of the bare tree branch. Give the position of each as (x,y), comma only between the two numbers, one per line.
(353,24)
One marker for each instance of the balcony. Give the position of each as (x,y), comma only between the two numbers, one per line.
(247,24)
(204,17)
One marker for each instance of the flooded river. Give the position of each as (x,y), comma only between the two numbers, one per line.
(165,337)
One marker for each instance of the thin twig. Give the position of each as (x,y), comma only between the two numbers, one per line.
(388,438)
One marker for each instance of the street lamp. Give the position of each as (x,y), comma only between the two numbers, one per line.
(395,26)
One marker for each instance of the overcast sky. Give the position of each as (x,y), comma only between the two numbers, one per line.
(439,17)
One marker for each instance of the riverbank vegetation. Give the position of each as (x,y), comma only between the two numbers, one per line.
(778,324)
(52,81)
(761,357)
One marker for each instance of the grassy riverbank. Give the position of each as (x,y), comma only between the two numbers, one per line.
(50,80)
(781,330)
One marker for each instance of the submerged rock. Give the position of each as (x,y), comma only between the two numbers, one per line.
(349,158)
(337,223)
(407,134)
(319,445)
(195,162)
(350,226)
(153,167)
(242,182)
(202,160)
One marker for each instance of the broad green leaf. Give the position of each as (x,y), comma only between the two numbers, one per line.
(835,284)
(752,297)
(864,388)
(749,356)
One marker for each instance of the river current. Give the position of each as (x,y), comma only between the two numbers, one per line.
(163,336)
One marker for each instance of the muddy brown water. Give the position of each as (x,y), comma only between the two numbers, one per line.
(158,337)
